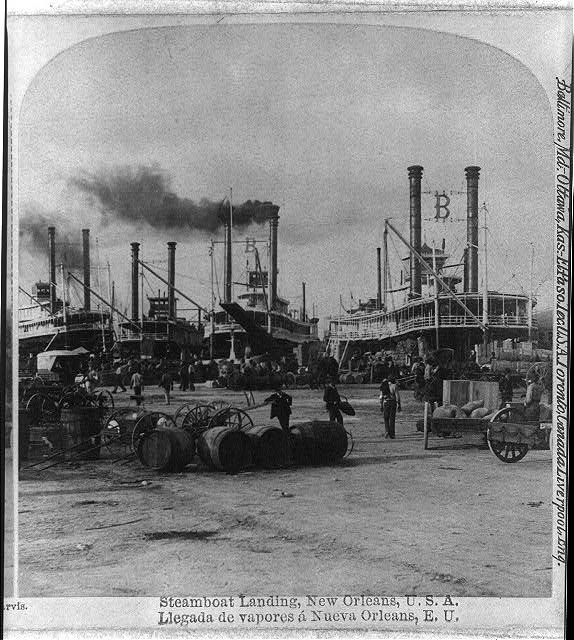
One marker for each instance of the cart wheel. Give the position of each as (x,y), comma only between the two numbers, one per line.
(507,451)
(115,436)
(105,401)
(42,407)
(196,420)
(231,417)
(182,412)
(74,396)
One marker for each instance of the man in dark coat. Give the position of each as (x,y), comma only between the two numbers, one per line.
(332,401)
(506,388)
(281,408)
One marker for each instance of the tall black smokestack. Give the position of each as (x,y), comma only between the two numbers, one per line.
(135,283)
(228,266)
(379,287)
(304,309)
(87,284)
(52,266)
(471,262)
(273,224)
(171,279)
(415,177)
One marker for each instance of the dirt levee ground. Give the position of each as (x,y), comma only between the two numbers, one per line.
(390,519)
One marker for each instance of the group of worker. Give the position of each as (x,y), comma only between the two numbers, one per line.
(389,398)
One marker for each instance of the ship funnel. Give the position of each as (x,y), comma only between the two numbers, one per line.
(273,224)
(415,177)
(135,283)
(228,266)
(52,266)
(471,255)
(272,214)
(379,289)
(86,247)
(171,279)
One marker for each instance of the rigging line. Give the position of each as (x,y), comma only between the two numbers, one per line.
(144,275)
(176,290)
(218,297)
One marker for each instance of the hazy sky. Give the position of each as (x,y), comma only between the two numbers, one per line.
(322,120)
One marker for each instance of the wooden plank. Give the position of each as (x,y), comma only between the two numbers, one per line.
(486,391)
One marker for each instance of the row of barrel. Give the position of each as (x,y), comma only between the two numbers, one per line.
(170,448)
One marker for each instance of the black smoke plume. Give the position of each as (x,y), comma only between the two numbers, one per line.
(34,237)
(143,195)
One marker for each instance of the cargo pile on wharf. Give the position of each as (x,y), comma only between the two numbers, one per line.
(216,436)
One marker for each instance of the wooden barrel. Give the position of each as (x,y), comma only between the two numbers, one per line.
(225,449)
(80,429)
(271,446)
(318,442)
(166,448)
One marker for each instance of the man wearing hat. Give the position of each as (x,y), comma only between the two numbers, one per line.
(280,407)
(332,400)
(534,392)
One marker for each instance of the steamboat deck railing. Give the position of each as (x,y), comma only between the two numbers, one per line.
(379,326)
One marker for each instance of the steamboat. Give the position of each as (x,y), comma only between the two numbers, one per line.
(435,313)
(259,321)
(50,322)
(161,333)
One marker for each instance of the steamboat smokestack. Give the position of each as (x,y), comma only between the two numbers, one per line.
(273,211)
(471,261)
(304,309)
(135,283)
(228,270)
(52,266)
(171,279)
(379,289)
(415,177)
(87,284)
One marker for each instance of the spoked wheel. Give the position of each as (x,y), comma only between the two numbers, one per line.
(74,397)
(147,423)
(233,418)
(43,408)
(118,429)
(508,451)
(197,419)
(182,412)
(105,401)
(505,451)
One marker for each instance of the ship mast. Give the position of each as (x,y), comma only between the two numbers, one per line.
(436,294)
(485,283)
(64,314)
(530,301)
(212,305)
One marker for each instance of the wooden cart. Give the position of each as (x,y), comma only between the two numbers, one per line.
(508,435)
(452,426)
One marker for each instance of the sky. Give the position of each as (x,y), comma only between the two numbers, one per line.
(140,135)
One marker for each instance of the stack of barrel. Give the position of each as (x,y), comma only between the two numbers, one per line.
(224,448)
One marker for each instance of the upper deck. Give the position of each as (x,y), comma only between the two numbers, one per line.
(506,313)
